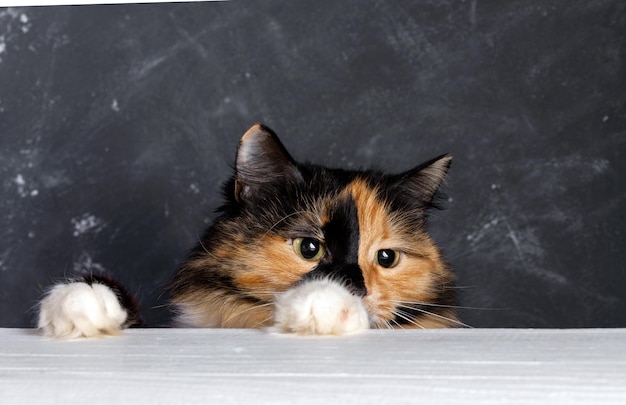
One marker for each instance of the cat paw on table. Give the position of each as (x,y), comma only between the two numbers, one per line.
(79,309)
(321,307)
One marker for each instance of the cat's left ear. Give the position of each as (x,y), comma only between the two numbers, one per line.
(424,180)
(262,161)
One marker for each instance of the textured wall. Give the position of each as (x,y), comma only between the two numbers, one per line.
(118,124)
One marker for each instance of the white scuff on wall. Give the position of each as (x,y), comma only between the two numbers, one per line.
(84,262)
(22,188)
(86,223)
(13,16)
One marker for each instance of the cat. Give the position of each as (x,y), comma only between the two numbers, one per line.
(297,248)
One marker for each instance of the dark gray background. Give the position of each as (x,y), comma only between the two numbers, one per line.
(119,123)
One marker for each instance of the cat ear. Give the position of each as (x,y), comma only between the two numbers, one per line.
(262,160)
(424,180)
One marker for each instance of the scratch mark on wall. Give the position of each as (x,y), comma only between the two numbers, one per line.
(472,16)
(477,235)
(522,254)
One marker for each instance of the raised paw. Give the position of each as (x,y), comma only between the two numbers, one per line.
(81,309)
(319,307)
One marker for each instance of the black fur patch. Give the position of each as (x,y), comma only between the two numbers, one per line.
(342,244)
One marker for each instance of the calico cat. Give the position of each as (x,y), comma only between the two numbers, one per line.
(296,247)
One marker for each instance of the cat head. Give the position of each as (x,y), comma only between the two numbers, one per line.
(286,222)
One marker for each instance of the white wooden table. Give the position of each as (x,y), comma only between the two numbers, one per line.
(220,366)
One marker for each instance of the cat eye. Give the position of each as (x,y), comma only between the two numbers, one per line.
(387,258)
(309,249)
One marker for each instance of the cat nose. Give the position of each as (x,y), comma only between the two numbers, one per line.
(350,275)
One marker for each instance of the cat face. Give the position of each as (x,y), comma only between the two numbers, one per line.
(286,225)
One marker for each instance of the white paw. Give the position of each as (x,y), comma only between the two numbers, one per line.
(81,310)
(319,307)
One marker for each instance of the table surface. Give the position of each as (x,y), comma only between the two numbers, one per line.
(253,366)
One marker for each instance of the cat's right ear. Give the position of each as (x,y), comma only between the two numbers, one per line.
(424,180)
(262,161)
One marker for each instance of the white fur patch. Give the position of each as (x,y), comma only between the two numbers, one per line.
(319,307)
(81,310)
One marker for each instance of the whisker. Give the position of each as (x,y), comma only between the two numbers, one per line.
(283,219)
(439,316)
(427,304)
(246,310)
(405,316)
(383,324)
(398,324)
(459,287)
(262,321)
(269,294)
(205,248)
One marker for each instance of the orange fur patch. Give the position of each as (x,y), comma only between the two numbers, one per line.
(276,267)
(417,275)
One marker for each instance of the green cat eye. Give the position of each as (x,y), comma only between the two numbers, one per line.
(309,249)
(387,258)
